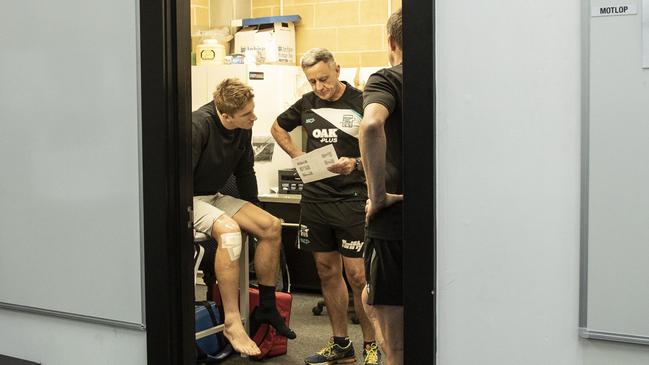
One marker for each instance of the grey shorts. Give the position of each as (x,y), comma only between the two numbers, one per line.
(208,208)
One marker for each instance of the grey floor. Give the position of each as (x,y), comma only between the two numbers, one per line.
(312,334)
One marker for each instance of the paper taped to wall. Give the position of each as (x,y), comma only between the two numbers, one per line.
(263,147)
(312,166)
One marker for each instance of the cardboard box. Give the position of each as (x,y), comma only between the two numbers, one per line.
(274,42)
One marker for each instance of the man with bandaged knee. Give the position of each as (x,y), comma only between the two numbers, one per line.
(222,146)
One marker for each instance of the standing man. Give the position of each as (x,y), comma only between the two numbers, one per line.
(222,146)
(332,209)
(380,140)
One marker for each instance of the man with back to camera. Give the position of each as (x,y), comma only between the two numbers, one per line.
(332,214)
(222,146)
(380,141)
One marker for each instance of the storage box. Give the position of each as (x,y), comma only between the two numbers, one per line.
(274,42)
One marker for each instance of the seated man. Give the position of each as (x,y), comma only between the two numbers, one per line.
(222,146)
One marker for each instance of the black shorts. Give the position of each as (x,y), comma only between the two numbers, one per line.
(333,226)
(384,271)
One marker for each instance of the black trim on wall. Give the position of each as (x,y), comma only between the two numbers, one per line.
(167,180)
(419,182)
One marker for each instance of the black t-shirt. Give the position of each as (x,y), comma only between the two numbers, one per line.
(218,152)
(385,87)
(330,122)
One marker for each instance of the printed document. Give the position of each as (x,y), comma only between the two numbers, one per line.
(312,166)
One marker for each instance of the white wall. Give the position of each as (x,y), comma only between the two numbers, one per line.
(70,186)
(508,133)
(55,341)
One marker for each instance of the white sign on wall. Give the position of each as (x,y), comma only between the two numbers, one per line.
(615,9)
(645,33)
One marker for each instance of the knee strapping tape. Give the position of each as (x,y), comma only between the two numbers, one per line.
(232,243)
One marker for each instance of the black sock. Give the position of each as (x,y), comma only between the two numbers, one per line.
(365,343)
(272,317)
(266,296)
(341,341)
(267,312)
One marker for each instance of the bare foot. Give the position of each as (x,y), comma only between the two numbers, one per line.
(239,339)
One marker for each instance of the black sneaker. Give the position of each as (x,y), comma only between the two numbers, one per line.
(332,354)
(371,354)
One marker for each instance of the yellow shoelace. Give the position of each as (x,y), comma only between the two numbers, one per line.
(327,350)
(372,354)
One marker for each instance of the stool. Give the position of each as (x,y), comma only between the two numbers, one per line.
(351,311)
(244,280)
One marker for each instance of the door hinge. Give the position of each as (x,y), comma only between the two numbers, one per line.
(190,213)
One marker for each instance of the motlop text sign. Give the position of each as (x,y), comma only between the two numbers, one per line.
(614,10)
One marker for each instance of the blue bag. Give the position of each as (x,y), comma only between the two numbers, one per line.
(211,348)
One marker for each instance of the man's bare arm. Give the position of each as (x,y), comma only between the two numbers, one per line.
(373,145)
(284,140)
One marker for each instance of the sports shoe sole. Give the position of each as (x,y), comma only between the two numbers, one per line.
(347,360)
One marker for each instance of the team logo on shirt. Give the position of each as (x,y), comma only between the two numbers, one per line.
(309,120)
(348,121)
(326,135)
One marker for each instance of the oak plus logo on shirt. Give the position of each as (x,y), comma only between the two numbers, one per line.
(326,135)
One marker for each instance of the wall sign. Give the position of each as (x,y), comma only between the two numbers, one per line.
(615,9)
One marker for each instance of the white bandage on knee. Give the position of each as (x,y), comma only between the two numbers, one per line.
(232,243)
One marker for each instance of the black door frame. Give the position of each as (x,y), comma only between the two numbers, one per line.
(167,180)
(419,249)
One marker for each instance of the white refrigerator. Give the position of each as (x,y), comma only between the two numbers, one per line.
(275,87)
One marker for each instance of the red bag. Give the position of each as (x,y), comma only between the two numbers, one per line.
(269,342)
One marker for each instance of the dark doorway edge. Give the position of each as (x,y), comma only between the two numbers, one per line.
(419,182)
(166,180)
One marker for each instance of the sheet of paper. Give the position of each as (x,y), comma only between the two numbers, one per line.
(312,166)
(645,33)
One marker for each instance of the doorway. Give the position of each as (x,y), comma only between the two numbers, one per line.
(167,175)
